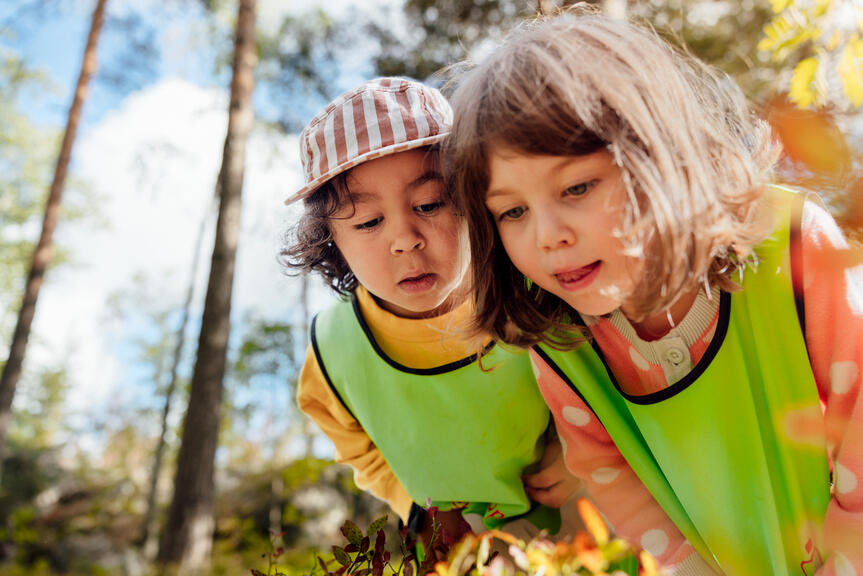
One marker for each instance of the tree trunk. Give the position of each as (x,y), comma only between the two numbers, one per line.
(149,538)
(187,539)
(44,249)
(615,8)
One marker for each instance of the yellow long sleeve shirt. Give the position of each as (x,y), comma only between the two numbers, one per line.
(416,343)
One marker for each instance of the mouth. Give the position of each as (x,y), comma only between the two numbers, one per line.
(418,283)
(578,278)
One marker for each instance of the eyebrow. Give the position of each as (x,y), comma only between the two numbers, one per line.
(360,197)
(495,193)
(427,176)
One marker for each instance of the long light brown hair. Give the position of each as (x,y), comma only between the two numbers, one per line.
(692,155)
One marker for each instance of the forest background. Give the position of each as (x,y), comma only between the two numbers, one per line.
(103,454)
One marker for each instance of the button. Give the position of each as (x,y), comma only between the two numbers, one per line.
(675,356)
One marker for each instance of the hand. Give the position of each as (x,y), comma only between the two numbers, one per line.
(451,528)
(553,485)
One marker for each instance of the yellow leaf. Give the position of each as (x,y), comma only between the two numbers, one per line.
(801,91)
(592,521)
(851,71)
(779,5)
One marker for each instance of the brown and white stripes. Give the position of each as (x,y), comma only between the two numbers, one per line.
(380,117)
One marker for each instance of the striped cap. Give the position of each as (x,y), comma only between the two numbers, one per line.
(380,117)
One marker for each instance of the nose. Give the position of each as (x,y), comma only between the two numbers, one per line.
(553,231)
(406,237)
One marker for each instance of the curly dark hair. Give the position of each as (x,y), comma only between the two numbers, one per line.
(310,246)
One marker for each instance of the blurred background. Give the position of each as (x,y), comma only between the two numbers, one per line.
(143,152)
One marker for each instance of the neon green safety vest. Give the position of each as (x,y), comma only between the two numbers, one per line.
(452,434)
(735,452)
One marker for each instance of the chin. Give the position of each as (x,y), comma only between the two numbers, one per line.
(594,308)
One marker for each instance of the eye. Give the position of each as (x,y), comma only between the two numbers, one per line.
(512,213)
(579,189)
(369,224)
(429,208)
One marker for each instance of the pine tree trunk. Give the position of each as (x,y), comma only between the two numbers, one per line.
(149,537)
(615,8)
(187,539)
(44,249)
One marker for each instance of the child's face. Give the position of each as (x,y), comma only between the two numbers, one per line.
(402,238)
(558,218)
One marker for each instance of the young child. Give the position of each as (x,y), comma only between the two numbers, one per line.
(401,396)
(719,369)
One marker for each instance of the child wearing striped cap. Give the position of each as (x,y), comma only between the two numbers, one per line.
(390,376)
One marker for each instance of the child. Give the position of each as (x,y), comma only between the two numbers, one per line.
(626,182)
(406,404)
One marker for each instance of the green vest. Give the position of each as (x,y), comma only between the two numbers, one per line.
(452,434)
(735,452)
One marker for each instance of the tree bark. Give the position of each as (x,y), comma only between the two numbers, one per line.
(187,539)
(149,538)
(615,8)
(44,249)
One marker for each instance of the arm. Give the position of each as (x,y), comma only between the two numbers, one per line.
(590,453)
(833,299)
(552,484)
(353,445)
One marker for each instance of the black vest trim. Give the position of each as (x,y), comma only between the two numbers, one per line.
(557,370)
(796,252)
(450,367)
(323,368)
(712,350)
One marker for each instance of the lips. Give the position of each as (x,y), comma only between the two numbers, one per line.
(418,283)
(578,278)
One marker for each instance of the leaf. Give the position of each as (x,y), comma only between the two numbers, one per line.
(592,521)
(364,544)
(352,533)
(409,569)
(377,525)
(801,91)
(380,541)
(851,71)
(257,573)
(484,550)
(341,556)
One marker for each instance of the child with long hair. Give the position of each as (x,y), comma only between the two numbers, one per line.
(389,375)
(693,328)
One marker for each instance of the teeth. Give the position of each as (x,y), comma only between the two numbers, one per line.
(576,274)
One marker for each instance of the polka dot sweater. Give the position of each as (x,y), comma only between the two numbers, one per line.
(833,298)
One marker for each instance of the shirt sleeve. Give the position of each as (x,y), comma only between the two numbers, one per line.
(591,454)
(833,299)
(353,445)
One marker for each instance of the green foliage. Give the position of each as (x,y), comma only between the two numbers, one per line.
(26,154)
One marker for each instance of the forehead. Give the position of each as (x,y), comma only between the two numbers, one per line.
(393,174)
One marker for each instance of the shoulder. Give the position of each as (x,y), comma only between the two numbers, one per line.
(818,228)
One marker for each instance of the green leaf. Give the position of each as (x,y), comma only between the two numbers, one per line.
(377,525)
(352,533)
(341,556)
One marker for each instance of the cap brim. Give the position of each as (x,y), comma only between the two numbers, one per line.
(312,186)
